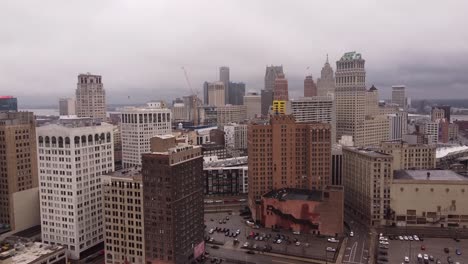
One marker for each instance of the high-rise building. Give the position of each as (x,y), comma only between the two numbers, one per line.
(310,89)
(431,131)
(326,82)
(90,97)
(409,156)
(138,125)
(399,96)
(267,101)
(173,201)
(224,78)
(271,73)
(235,136)
(286,154)
(123,216)
(372,101)
(319,109)
(453,131)
(67,106)
(73,156)
(18,168)
(180,112)
(280,91)
(205,93)
(253,104)
(337,165)
(8,103)
(398,124)
(216,96)
(236,93)
(367,177)
(231,114)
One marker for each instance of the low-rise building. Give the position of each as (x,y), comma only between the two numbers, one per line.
(225,176)
(16,251)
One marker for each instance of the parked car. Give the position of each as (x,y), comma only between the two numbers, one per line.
(400,237)
(211,231)
(406,259)
(333,240)
(351,234)
(251,252)
(296,232)
(405,237)
(215,247)
(330,249)
(298,243)
(416,237)
(458,252)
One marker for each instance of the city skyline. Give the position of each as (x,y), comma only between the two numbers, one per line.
(140,55)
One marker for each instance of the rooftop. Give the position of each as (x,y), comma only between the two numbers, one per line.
(23,251)
(434,175)
(369,152)
(351,56)
(444,151)
(209,162)
(295,194)
(126,173)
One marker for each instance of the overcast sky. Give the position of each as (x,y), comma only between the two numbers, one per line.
(139,47)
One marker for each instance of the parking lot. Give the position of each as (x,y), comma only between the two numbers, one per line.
(397,250)
(292,244)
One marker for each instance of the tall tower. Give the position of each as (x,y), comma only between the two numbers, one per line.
(310,89)
(216,94)
(350,93)
(224,77)
(399,95)
(280,92)
(90,97)
(326,82)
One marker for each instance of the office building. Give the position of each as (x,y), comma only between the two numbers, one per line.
(399,96)
(398,124)
(306,211)
(408,156)
(282,149)
(231,114)
(453,132)
(73,156)
(226,176)
(372,101)
(253,104)
(90,97)
(173,180)
(235,136)
(67,106)
(310,89)
(180,113)
(320,109)
(337,165)
(138,125)
(431,131)
(224,78)
(216,94)
(19,206)
(267,101)
(437,114)
(367,177)
(205,93)
(429,198)
(123,216)
(446,109)
(236,93)
(388,109)
(271,73)
(371,131)
(280,90)
(8,103)
(326,82)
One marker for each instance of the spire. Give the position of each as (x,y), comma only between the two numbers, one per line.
(327,58)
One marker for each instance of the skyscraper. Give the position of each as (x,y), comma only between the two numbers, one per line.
(253,104)
(67,106)
(216,94)
(224,78)
(236,93)
(18,163)
(399,96)
(173,201)
(326,82)
(372,101)
(72,159)
(310,89)
(138,125)
(271,73)
(280,92)
(90,97)
(8,103)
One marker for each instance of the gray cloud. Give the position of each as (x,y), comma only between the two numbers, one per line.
(140,46)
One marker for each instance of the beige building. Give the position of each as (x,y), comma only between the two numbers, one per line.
(90,97)
(372,101)
(410,156)
(434,198)
(367,177)
(388,109)
(67,106)
(216,94)
(326,82)
(18,169)
(371,131)
(253,104)
(399,96)
(453,131)
(123,216)
(180,112)
(231,114)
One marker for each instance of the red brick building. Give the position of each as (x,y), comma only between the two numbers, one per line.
(307,211)
(310,89)
(281,88)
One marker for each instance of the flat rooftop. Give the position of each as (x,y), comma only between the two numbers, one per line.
(126,173)
(434,175)
(368,151)
(295,194)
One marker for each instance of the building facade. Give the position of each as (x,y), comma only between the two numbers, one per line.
(216,94)
(253,105)
(91,97)
(271,73)
(72,159)
(226,176)
(138,125)
(231,114)
(399,96)
(337,165)
(326,82)
(8,103)
(235,136)
(398,125)
(224,78)
(408,156)
(173,201)
(67,106)
(280,91)
(310,89)
(236,93)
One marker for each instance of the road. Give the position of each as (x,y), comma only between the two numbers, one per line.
(357,249)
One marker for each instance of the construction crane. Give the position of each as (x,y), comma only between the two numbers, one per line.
(193,97)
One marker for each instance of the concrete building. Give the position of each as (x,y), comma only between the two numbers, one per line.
(326,82)
(441,111)
(123,216)
(337,165)
(310,89)
(31,252)
(235,136)
(253,105)
(90,97)
(372,101)
(216,94)
(367,177)
(408,156)
(280,91)
(319,109)
(271,73)
(138,125)
(282,149)
(173,179)
(231,114)
(431,131)
(236,93)
(180,113)
(267,101)
(371,131)
(398,124)
(306,211)
(453,132)
(226,176)
(8,103)
(19,203)
(73,156)
(430,198)
(224,78)
(67,106)
(399,96)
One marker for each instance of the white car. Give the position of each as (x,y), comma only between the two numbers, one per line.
(298,243)
(209,201)
(249,222)
(416,238)
(410,238)
(238,231)
(333,240)
(406,260)
(384,242)
(426,257)
(383,239)
(296,232)
(211,231)
(400,237)
(330,249)
(279,241)
(246,244)
(351,234)
(405,237)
